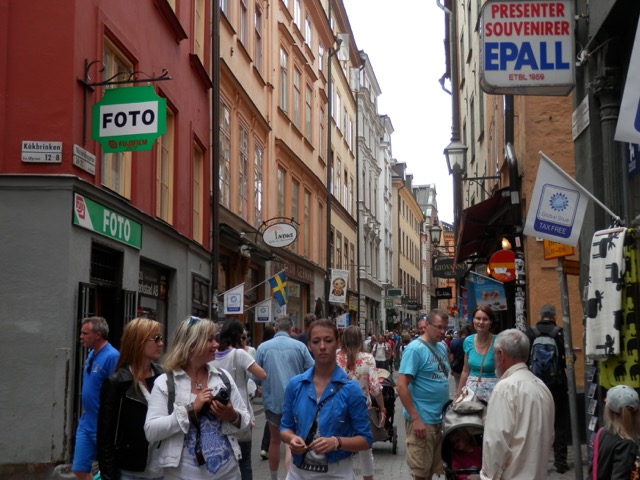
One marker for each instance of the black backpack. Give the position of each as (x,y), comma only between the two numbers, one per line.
(544,358)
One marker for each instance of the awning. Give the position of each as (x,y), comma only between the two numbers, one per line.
(483,224)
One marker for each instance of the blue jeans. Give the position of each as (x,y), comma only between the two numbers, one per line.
(245,462)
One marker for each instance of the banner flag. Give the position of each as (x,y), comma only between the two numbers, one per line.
(234,300)
(628,127)
(339,279)
(279,311)
(557,206)
(342,321)
(263,311)
(278,285)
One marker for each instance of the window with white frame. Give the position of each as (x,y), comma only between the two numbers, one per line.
(308,39)
(198,29)
(308,99)
(258,152)
(198,194)
(321,58)
(339,250)
(297,13)
(116,167)
(338,189)
(306,222)
(257,41)
(165,154)
(225,155)
(297,98)
(243,161)
(281,175)
(345,190)
(321,144)
(295,198)
(224,7)
(284,80)
(244,23)
(337,112)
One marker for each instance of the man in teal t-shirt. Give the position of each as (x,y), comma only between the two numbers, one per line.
(423,387)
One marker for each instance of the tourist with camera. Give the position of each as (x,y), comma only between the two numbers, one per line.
(324,416)
(195,409)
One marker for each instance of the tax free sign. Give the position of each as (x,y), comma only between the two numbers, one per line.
(527,47)
(129,119)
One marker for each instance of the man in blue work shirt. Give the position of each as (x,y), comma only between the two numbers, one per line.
(101,362)
(282,358)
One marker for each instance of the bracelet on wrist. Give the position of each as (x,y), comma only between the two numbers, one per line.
(339,443)
(237,419)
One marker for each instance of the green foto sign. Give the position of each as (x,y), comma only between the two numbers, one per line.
(129,119)
(98,218)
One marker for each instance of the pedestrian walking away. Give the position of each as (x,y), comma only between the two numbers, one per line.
(547,361)
(519,423)
(195,409)
(324,416)
(423,387)
(100,363)
(123,450)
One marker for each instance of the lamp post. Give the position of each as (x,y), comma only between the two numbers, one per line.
(456,155)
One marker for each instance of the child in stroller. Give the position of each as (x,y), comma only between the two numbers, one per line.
(463,425)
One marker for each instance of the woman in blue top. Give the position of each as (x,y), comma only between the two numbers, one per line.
(479,371)
(324,416)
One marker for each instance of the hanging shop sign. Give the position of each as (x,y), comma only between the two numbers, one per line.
(279,235)
(104,221)
(129,119)
(443,268)
(527,47)
(556,250)
(444,293)
(502,265)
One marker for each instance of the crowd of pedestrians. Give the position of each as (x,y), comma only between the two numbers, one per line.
(187,413)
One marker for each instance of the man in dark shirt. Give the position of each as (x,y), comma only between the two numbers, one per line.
(545,326)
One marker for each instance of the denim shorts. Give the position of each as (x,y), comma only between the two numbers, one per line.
(273,418)
(85,451)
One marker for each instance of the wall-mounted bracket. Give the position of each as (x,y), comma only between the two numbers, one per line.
(121,78)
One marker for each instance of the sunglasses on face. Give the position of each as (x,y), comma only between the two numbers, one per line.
(156,338)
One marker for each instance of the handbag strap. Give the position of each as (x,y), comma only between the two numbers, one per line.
(443,367)
(314,426)
(594,461)
(484,357)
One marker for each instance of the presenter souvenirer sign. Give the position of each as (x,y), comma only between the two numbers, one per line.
(527,47)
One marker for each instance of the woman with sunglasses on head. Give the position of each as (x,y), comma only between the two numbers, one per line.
(123,451)
(324,415)
(235,360)
(196,420)
(479,370)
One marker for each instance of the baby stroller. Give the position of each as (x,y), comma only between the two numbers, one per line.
(463,425)
(387,432)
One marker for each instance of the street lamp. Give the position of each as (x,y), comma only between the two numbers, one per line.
(435,233)
(456,154)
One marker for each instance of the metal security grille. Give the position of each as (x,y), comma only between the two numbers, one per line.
(106,266)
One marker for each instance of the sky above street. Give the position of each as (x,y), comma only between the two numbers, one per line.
(404,40)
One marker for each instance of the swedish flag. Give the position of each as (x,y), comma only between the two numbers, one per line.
(278,285)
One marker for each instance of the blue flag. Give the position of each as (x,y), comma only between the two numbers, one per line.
(278,285)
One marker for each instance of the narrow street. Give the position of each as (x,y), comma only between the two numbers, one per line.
(387,465)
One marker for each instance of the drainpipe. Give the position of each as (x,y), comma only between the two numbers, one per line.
(455,128)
